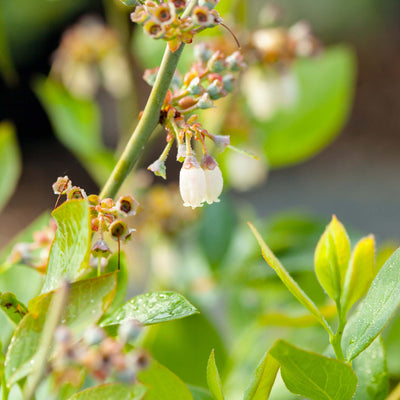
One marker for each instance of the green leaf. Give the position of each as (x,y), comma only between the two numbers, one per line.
(77,124)
(213,379)
(88,299)
(152,308)
(122,280)
(371,370)
(360,272)
(129,3)
(331,258)
(326,92)
(312,375)
(263,379)
(12,307)
(288,281)
(10,162)
(199,393)
(115,391)
(163,384)
(70,251)
(176,344)
(376,310)
(215,242)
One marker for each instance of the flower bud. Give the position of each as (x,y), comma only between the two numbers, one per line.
(186,102)
(129,330)
(94,336)
(217,62)
(195,87)
(192,183)
(205,101)
(216,90)
(181,152)
(101,249)
(202,52)
(118,229)
(127,205)
(93,199)
(140,15)
(76,193)
(214,181)
(158,168)
(62,185)
(229,82)
(235,61)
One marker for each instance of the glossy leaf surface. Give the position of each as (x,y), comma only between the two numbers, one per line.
(115,391)
(213,379)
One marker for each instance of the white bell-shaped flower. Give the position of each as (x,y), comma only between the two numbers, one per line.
(192,183)
(214,180)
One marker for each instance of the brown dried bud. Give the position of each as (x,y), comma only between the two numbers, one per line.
(186,102)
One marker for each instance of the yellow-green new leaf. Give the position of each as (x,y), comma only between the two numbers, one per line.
(332,257)
(360,272)
(288,281)
(213,379)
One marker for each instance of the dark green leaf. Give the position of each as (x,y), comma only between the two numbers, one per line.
(114,391)
(69,254)
(326,92)
(163,384)
(76,123)
(216,231)
(312,375)
(12,307)
(213,379)
(376,310)
(176,344)
(87,302)
(371,370)
(152,308)
(10,163)
(263,379)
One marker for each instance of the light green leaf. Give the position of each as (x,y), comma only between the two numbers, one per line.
(12,307)
(360,272)
(10,162)
(114,391)
(129,3)
(263,379)
(213,379)
(163,384)
(288,281)
(152,308)
(88,299)
(312,375)
(331,258)
(376,310)
(371,370)
(77,124)
(326,92)
(70,251)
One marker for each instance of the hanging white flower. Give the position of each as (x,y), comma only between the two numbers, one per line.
(192,183)
(214,180)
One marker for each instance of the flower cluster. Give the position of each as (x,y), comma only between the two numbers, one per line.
(89,56)
(102,357)
(210,78)
(164,20)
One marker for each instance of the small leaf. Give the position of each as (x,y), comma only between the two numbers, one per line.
(12,307)
(289,282)
(70,251)
(360,272)
(312,375)
(129,3)
(115,391)
(87,301)
(263,379)
(371,370)
(376,310)
(152,308)
(10,163)
(331,258)
(213,379)
(163,384)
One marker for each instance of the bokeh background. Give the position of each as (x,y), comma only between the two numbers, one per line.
(356,177)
